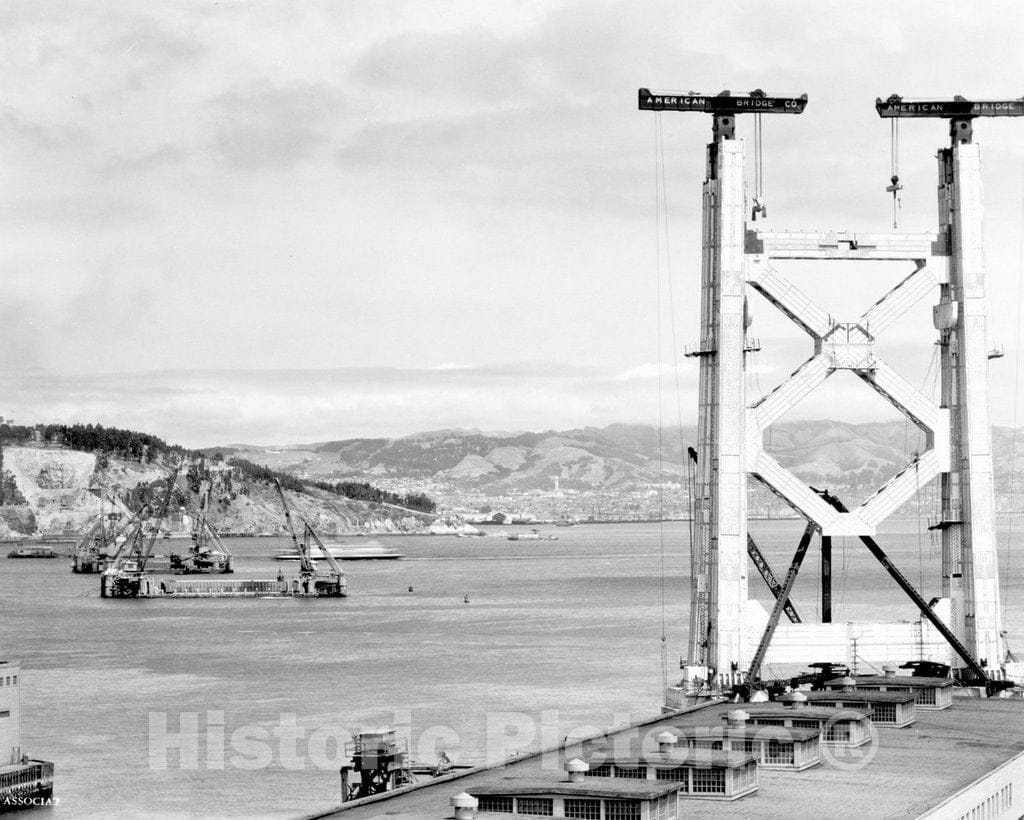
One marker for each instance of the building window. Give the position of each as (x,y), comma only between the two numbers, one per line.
(543,806)
(631,772)
(806,724)
(5,713)
(621,810)
(709,781)
(777,752)
(664,808)
(884,713)
(759,721)
(926,697)
(493,803)
(15,680)
(838,731)
(744,777)
(604,770)
(680,774)
(742,746)
(589,809)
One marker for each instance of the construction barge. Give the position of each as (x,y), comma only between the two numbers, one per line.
(126,576)
(126,585)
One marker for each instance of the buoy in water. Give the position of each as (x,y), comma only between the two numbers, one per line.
(466,599)
(410,588)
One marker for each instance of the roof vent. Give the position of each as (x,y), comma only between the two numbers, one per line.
(759,696)
(737,717)
(577,770)
(795,700)
(666,741)
(848,684)
(464,805)
(889,672)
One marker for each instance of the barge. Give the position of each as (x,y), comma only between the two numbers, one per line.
(127,578)
(33,552)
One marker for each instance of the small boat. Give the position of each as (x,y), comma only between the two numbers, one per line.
(370,552)
(33,552)
(532,535)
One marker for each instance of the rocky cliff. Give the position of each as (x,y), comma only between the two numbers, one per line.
(56,491)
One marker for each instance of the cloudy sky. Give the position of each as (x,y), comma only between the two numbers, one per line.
(292,221)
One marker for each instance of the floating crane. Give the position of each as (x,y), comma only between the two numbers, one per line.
(123,579)
(331,584)
(92,552)
(207,552)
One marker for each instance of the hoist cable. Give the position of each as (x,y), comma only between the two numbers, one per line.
(894,170)
(1016,393)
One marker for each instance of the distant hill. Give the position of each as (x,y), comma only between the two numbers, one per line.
(54,490)
(852,458)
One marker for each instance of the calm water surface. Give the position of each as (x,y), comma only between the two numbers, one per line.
(564,634)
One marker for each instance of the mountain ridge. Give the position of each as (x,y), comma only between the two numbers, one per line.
(463,466)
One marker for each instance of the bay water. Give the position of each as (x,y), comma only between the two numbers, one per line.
(242,708)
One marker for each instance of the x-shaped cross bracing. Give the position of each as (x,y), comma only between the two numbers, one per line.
(847,346)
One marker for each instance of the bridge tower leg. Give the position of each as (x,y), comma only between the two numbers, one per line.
(969,560)
(717,648)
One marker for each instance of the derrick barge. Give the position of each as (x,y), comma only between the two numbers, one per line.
(126,585)
(127,578)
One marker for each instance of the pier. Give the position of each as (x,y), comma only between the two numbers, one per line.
(24,782)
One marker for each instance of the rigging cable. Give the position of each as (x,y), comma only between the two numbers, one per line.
(675,366)
(759,206)
(1016,394)
(894,186)
(917,471)
(659,196)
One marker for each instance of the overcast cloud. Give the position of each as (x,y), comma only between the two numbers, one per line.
(286,221)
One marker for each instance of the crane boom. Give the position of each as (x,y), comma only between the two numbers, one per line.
(756,102)
(763,567)
(133,528)
(306,565)
(204,528)
(331,562)
(754,672)
(958,108)
(960,111)
(147,548)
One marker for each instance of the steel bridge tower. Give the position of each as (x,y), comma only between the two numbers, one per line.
(947,265)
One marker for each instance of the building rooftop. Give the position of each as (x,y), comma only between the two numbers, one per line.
(761,732)
(590,787)
(901,775)
(774,709)
(702,759)
(916,682)
(861,696)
